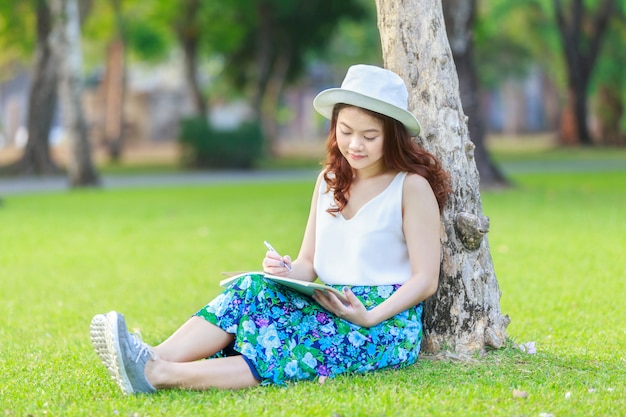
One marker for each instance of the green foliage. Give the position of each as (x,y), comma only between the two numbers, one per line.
(611,71)
(500,58)
(557,241)
(288,29)
(610,74)
(17,30)
(526,31)
(206,147)
(147,37)
(147,40)
(512,35)
(355,41)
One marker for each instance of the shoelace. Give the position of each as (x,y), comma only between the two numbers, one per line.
(142,347)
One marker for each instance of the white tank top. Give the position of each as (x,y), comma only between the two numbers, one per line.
(369,248)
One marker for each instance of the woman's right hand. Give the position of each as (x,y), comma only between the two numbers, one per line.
(275,264)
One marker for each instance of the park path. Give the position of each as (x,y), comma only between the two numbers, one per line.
(32,185)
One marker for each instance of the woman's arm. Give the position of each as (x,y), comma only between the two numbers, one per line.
(421,225)
(302,267)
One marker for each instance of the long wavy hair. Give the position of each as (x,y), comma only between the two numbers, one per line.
(400,153)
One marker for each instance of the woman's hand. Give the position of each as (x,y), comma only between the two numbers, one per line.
(275,264)
(353,311)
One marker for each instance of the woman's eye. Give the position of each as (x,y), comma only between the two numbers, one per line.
(370,139)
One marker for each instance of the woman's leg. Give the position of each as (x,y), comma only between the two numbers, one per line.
(196,339)
(178,363)
(226,373)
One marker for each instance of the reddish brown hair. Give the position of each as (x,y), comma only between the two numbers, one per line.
(400,153)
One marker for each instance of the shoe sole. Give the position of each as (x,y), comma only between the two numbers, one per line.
(103,331)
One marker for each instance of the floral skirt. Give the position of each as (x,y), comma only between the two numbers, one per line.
(286,336)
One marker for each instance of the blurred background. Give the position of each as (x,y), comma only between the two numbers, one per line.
(89,85)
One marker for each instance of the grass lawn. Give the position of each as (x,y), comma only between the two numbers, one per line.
(557,239)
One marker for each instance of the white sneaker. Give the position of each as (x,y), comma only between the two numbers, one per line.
(123,354)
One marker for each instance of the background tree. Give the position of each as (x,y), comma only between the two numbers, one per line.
(354,41)
(118,34)
(263,45)
(278,38)
(189,29)
(200,29)
(566,38)
(465,314)
(582,31)
(113,87)
(460,16)
(36,158)
(21,19)
(610,86)
(66,38)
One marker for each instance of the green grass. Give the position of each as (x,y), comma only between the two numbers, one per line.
(557,240)
(538,155)
(307,161)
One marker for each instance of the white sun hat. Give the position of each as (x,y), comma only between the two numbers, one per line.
(372,88)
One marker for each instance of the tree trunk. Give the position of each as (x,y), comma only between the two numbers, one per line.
(113,92)
(189,37)
(464,315)
(459,17)
(264,56)
(271,99)
(568,129)
(114,89)
(41,103)
(610,111)
(67,40)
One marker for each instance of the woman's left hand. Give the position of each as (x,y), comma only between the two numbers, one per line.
(353,310)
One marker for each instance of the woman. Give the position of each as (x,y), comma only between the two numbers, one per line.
(373,232)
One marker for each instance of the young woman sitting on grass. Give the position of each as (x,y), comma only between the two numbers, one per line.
(373,233)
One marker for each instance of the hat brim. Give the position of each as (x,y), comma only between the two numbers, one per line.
(326,100)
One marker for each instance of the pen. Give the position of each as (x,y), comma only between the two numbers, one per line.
(271,248)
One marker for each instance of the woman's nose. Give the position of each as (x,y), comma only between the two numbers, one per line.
(356,142)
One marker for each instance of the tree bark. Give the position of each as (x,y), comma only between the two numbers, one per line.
(67,40)
(36,158)
(464,315)
(459,16)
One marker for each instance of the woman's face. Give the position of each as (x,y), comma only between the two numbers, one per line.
(360,138)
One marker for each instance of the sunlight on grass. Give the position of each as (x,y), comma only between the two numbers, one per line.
(556,252)
(557,241)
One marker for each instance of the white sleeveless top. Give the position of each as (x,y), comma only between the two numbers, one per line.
(369,248)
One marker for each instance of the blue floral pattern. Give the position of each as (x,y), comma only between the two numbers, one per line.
(287,336)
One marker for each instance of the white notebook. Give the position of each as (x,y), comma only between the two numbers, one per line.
(305,287)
